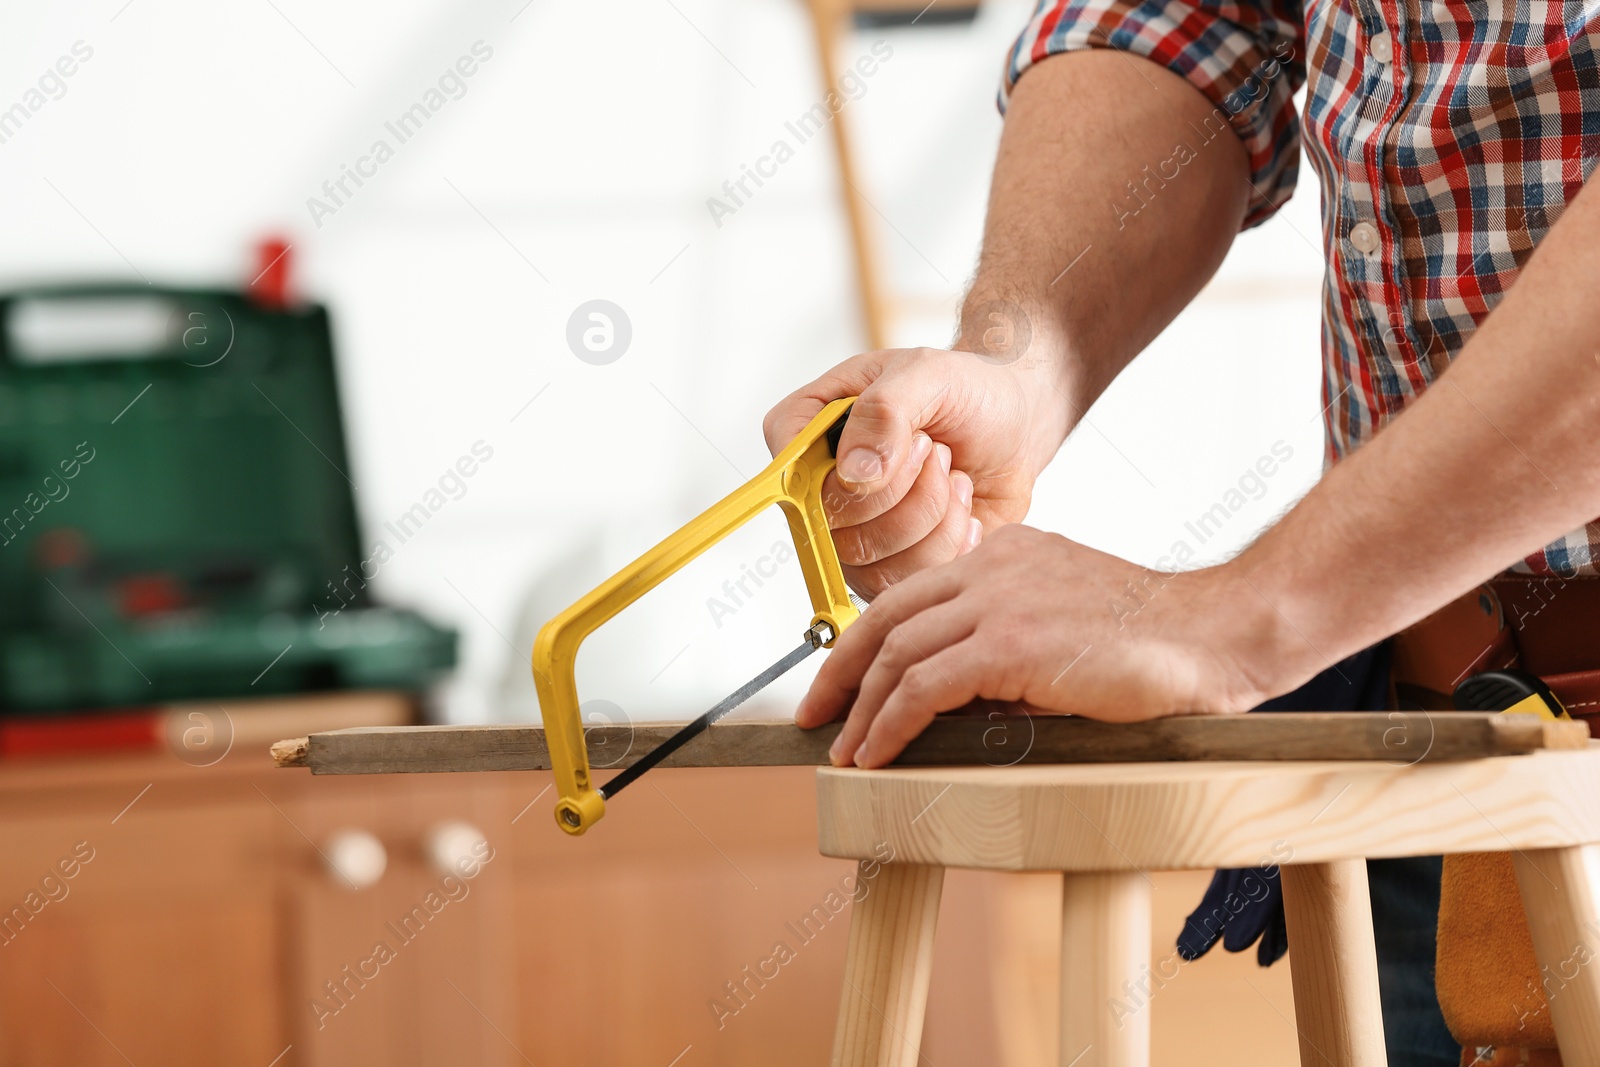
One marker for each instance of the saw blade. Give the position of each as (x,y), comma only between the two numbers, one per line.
(749,689)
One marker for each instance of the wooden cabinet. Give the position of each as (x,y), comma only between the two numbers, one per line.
(697,916)
(208,928)
(417,967)
(163,948)
(696,926)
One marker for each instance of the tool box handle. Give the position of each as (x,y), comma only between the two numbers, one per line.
(793,481)
(53,325)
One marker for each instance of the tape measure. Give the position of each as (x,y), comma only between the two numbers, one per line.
(1512,690)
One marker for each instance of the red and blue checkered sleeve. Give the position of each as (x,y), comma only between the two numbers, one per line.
(1246,56)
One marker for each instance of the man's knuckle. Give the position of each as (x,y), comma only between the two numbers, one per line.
(952,529)
(925,506)
(848,543)
(896,648)
(875,411)
(922,679)
(842,505)
(1005,633)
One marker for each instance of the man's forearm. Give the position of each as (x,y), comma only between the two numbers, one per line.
(1117,192)
(1500,457)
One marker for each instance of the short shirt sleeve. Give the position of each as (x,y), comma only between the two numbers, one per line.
(1246,56)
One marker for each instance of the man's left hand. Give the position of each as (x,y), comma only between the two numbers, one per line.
(1032,617)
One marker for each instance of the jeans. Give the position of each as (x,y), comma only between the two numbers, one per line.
(1405,892)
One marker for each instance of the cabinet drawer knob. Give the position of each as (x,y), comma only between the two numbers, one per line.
(356,859)
(457,848)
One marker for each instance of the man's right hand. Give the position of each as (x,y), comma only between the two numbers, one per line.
(1093,273)
(940,447)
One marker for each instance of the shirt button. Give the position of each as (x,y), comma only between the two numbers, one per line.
(1364,237)
(1381,47)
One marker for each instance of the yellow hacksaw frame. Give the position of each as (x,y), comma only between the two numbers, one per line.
(793,481)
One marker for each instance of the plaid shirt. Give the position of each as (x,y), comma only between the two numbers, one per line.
(1448,134)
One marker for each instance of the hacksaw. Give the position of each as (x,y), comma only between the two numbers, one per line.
(793,481)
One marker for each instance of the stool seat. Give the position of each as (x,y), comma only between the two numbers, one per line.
(1194,815)
(1105,825)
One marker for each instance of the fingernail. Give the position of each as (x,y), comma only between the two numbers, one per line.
(860,465)
(974,532)
(836,751)
(921,445)
(944,456)
(964,490)
(861,756)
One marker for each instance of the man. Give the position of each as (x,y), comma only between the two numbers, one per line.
(1453,140)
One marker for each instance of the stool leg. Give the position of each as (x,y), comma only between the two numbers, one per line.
(1561,896)
(887,966)
(1333,964)
(1105,969)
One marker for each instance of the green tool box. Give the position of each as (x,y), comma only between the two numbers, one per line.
(177,519)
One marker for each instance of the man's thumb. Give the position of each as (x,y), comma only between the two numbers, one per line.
(875,443)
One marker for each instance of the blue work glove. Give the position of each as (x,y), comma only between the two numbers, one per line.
(1243,904)
(1240,905)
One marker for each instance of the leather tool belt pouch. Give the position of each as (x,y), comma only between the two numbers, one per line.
(1489,985)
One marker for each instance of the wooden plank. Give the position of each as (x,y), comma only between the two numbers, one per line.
(953,740)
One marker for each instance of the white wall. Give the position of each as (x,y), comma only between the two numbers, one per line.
(577,166)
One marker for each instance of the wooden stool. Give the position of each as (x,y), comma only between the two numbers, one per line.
(1104,825)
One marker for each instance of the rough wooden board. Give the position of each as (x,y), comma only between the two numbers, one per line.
(952,740)
(291,753)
